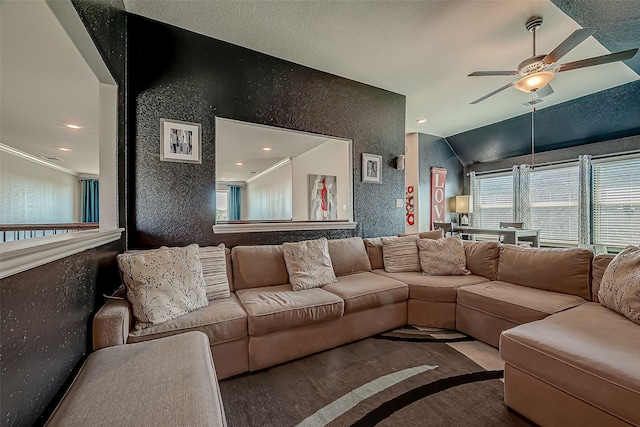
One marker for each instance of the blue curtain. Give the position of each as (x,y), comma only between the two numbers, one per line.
(90,189)
(235,196)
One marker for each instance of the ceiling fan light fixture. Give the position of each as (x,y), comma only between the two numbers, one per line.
(534,81)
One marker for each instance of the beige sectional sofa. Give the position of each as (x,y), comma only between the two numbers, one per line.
(543,294)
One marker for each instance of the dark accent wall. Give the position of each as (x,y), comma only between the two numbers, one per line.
(177,74)
(435,152)
(44,335)
(46,312)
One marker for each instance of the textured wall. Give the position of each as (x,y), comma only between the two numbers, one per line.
(46,313)
(177,74)
(435,152)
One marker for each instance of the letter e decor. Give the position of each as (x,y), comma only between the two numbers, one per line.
(438,181)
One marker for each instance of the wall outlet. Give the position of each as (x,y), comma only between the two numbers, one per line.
(399,203)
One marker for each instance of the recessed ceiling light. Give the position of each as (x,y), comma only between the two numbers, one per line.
(72,126)
(239,164)
(223,178)
(64,149)
(266,148)
(421,121)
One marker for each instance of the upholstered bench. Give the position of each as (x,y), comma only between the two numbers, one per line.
(168,381)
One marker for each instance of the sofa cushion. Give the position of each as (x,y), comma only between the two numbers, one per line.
(348,256)
(256,266)
(400,254)
(600,263)
(442,257)
(374,251)
(518,304)
(163,284)
(560,270)
(433,288)
(367,290)
(589,352)
(214,271)
(482,258)
(620,287)
(434,234)
(276,308)
(222,320)
(308,264)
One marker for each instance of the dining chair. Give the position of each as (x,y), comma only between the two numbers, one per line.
(447,227)
(514,225)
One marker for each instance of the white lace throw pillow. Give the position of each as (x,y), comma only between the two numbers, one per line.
(620,285)
(308,264)
(163,284)
(443,257)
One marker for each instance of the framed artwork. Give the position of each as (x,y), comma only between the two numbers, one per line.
(371,168)
(323,198)
(180,141)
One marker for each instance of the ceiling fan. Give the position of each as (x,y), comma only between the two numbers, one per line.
(537,71)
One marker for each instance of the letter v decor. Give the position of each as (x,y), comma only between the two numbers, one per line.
(438,181)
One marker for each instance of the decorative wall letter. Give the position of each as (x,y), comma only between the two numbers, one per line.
(438,181)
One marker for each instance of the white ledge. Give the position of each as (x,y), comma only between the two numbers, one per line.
(283,226)
(22,255)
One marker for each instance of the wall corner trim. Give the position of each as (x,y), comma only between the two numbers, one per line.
(22,255)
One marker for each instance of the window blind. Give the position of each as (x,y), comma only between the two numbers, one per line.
(616,202)
(554,201)
(495,204)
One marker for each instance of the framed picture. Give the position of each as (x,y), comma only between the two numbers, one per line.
(371,168)
(180,141)
(323,198)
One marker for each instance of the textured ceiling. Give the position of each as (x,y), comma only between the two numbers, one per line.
(423,50)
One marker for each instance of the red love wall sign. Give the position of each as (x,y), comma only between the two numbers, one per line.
(438,181)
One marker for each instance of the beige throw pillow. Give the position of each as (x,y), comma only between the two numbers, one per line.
(308,264)
(214,272)
(443,257)
(163,284)
(620,286)
(400,254)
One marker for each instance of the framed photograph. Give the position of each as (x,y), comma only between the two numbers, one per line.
(180,141)
(371,168)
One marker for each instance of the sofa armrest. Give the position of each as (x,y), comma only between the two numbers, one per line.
(112,323)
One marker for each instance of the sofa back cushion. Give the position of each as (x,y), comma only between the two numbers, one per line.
(348,256)
(600,263)
(558,270)
(434,234)
(482,258)
(258,266)
(374,251)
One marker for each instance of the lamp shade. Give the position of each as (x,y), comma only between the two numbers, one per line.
(535,81)
(463,204)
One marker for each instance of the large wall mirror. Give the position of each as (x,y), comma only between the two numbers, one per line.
(274,176)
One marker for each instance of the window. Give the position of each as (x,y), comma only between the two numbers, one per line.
(616,201)
(495,200)
(553,197)
(221,205)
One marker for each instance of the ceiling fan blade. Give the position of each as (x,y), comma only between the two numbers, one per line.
(493,93)
(598,60)
(493,73)
(577,37)
(545,91)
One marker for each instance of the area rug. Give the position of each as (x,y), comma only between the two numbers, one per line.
(407,377)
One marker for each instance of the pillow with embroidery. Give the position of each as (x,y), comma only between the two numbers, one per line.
(443,257)
(163,284)
(308,264)
(620,285)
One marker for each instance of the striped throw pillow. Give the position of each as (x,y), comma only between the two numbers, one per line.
(400,254)
(214,272)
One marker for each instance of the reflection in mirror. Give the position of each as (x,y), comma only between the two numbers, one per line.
(268,174)
(52,125)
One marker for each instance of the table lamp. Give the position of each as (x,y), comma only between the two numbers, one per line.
(463,207)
